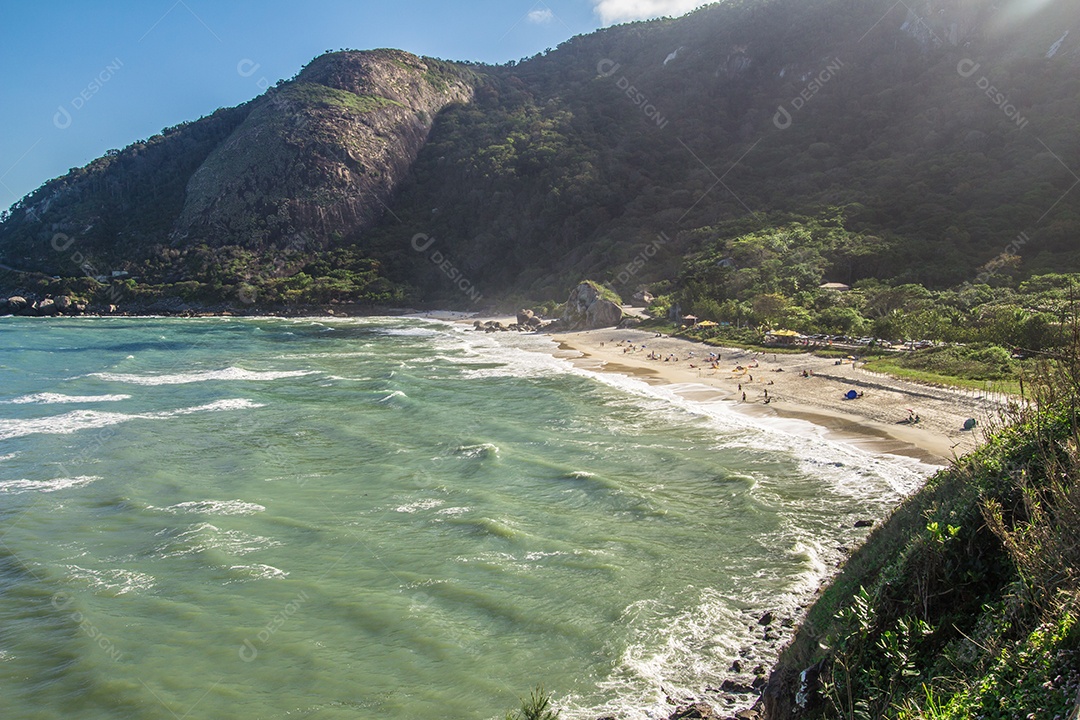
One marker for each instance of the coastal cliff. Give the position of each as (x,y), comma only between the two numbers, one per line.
(964,602)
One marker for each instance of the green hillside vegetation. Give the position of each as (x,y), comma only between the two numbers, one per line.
(964,603)
(583,161)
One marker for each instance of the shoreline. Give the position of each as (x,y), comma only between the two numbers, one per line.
(872,422)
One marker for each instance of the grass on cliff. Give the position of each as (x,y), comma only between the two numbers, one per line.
(312,94)
(964,604)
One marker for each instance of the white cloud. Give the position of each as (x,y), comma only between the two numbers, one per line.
(541,16)
(616,11)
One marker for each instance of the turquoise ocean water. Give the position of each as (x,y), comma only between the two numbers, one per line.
(386,517)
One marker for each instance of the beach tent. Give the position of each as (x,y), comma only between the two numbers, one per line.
(969,424)
(851,394)
(690,317)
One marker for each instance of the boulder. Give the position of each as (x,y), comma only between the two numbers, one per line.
(46,307)
(697,711)
(587,308)
(16,303)
(524,316)
(63,303)
(736,686)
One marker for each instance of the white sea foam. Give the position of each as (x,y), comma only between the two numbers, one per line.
(9,456)
(115,580)
(60,399)
(215,507)
(259,571)
(230,373)
(478,451)
(201,537)
(90,419)
(48,486)
(418,505)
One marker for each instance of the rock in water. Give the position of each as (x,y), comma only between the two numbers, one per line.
(697,711)
(588,308)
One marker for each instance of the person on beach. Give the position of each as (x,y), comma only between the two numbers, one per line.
(744,397)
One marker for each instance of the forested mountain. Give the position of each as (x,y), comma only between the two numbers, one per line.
(751,147)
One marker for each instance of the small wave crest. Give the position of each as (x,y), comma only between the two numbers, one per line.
(90,419)
(256,571)
(230,373)
(215,507)
(48,486)
(483,450)
(203,537)
(61,399)
(418,505)
(114,581)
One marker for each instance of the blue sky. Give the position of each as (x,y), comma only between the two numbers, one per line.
(83,77)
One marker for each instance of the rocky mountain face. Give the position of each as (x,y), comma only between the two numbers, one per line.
(321,156)
(313,160)
(938,132)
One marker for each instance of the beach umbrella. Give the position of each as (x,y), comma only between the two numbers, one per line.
(851,394)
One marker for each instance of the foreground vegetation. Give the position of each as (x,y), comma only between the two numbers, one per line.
(964,604)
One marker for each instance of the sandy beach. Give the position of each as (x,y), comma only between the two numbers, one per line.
(873,420)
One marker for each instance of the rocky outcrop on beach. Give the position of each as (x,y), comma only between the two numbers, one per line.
(590,306)
(527,321)
(46,307)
